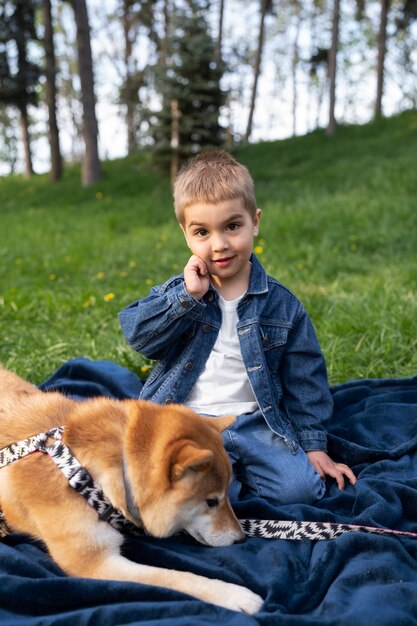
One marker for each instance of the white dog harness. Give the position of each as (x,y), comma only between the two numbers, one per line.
(80,480)
(78,477)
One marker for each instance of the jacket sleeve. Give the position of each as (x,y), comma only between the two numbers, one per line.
(306,394)
(151,325)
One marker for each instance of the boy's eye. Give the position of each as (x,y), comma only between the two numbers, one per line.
(233,227)
(201,232)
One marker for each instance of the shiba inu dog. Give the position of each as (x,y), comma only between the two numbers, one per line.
(162,466)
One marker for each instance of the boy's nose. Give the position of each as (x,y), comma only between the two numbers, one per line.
(219,243)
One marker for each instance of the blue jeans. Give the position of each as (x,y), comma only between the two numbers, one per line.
(264,465)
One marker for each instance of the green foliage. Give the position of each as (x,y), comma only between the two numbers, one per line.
(339,228)
(17,24)
(190,79)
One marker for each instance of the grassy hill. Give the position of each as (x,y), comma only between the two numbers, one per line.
(339,228)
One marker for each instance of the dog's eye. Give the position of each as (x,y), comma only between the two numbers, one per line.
(211,502)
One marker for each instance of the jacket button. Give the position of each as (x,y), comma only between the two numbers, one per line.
(206,328)
(169,401)
(210,297)
(189,367)
(184,304)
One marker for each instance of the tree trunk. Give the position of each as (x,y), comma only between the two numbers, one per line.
(218,50)
(128,87)
(91,171)
(294,66)
(382,48)
(24,126)
(331,127)
(50,90)
(257,68)
(164,42)
(175,138)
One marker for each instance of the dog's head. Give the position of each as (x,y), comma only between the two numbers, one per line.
(179,473)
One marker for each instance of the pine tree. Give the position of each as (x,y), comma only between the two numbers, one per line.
(19,76)
(189,84)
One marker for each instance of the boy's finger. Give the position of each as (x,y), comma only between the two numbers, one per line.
(347,472)
(340,479)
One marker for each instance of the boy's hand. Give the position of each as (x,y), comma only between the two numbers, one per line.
(324,466)
(196,277)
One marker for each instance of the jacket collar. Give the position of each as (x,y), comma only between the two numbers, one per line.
(258,282)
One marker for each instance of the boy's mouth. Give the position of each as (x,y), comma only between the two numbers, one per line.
(223,262)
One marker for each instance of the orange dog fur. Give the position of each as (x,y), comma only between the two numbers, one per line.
(176,466)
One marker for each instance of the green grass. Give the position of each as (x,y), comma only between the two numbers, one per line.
(339,228)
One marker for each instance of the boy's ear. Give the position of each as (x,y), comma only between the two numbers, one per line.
(256,222)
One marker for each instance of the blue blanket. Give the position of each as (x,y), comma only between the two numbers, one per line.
(356,579)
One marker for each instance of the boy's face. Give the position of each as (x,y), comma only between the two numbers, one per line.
(222,236)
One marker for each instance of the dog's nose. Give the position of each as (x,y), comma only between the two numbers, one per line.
(242,540)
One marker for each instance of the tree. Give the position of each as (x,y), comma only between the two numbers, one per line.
(405,47)
(8,138)
(130,25)
(218,50)
(332,63)
(382,48)
(91,170)
(134,15)
(51,91)
(189,85)
(294,63)
(265,7)
(19,87)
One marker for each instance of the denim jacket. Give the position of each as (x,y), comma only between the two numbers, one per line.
(280,351)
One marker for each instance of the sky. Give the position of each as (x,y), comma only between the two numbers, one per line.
(273,113)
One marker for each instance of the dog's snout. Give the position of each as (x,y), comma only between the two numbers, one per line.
(241,540)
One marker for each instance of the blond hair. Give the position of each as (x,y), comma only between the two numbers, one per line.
(213,177)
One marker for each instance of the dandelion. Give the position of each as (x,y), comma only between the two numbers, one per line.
(89,302)
(100,276)
(109,296)
(258,249)
(132,264)
(353,247)
(145,369)
(123,274)
(52,276)
(99,195)
(149,282)
(299,266)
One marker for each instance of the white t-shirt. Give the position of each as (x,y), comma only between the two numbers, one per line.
(223,387)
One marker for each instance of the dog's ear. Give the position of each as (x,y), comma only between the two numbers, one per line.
(221,423)
(190,458)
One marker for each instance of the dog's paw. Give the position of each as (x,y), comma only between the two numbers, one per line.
(239,598)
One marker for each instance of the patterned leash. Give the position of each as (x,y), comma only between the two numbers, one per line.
(82,482)
(312,531)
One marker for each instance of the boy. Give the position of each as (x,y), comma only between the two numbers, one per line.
(232,340)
